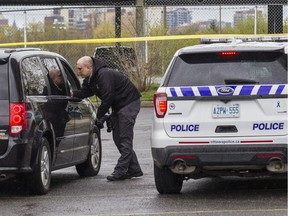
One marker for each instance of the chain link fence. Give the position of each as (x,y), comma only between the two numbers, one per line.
(139,60)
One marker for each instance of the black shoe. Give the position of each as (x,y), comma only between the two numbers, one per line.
(130,175)
(116,177)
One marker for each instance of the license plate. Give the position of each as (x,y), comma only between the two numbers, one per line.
(226,111)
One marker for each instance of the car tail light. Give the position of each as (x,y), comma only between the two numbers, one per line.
(17,117)
(160,104)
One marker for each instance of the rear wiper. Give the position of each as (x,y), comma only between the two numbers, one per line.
(240,81)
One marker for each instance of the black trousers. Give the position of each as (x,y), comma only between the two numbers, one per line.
(123,133)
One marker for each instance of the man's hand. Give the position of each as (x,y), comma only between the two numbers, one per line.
(99,123)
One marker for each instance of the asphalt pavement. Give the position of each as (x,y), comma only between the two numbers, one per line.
(71,195)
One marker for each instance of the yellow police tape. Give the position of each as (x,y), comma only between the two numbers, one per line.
(135,39)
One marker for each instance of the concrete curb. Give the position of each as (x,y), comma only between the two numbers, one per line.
(146,104)
(143,104)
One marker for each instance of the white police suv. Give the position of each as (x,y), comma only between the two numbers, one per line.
(221,110)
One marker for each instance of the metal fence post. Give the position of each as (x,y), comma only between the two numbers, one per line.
(118,23)
(140,46)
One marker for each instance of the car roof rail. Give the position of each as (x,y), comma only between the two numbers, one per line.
(244,39)
(11,50)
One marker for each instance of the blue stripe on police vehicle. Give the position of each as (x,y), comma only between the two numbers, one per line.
(240,90)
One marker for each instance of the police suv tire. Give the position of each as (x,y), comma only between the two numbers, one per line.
(91,166)
(40,178)
(166,181)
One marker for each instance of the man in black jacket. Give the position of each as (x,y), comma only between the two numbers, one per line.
(116,91)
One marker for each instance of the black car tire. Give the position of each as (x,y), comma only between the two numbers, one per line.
(40,178)
(91,166)
(166,181)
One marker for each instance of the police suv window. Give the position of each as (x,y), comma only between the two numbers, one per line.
(204,69)
(34,81)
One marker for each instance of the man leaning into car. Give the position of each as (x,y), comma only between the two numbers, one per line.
(116,91)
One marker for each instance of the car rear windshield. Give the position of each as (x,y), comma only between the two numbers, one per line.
(222,68)
(4,81)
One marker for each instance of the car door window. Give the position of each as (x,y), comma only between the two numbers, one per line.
(55,77)
(33,76)
(72,81)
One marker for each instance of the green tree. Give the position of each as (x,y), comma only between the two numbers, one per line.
(8,34)
(213,27)
(104,30)
(285,26)
(190,29)
(35,31)
(229,30)
(247,25)
(262,24)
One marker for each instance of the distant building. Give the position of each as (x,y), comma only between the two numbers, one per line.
(73,19)
(3,21)
(85,19)
(53,20)
(56,19)
(177,18)
(243,15)
(128,19)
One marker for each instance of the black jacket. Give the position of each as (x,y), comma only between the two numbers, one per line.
(113,88)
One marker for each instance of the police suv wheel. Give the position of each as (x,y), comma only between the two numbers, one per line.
(91,166)
(166,181)
(41,176)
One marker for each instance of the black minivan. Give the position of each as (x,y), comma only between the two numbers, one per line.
(42,127)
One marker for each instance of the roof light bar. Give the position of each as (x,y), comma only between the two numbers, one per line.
(215,40)
(244,39)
